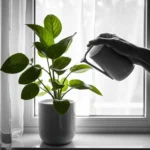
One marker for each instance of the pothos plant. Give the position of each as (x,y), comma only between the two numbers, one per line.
(52,53)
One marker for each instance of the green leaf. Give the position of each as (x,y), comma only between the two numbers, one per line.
(37,66)
(95,90)
(58,71)
(30,75)
(56,50)
(78,84)
(57,85)
(15,63)
(41,49)
(45,36)
(40,74)
(80,68)
(30,91)
(65,83)
(61,62)
(40,54)
(43,92)
(69,39)
(53,24)
(55,80)
(38,82)
(61,106)
(47,87)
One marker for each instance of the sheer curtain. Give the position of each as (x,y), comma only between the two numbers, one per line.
(12,41)
(89,18)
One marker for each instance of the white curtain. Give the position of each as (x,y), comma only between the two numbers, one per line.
(0,73)
(12,41)
(89,18)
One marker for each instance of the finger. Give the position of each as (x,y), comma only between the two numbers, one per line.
(103,35)
(107,35)
(100,41)
(88,45)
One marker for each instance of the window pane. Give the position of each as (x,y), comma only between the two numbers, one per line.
(89,18)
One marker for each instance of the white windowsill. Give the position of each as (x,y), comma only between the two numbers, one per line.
(88,141)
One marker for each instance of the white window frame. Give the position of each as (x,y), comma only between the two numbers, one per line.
(97,124)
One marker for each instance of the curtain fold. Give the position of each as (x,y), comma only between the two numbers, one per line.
(13,41)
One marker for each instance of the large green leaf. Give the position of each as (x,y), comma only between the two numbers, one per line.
(58,71)
(65,83)
(56,50)
(45,36)
(61,62)
(30,91)
(69,39)
(41,48)
(57,85)
(95,90)
(15,63)
(30,75)
(78,84)
(38,66)
(61,106)
(80,68)
(53,24)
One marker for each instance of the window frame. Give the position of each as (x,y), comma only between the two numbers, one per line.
(96,124)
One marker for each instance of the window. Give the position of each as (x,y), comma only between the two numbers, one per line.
(124,104)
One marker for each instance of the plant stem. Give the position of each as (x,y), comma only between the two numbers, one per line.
(66,92)
(46,88)
(53,71)
(55,93)
(52,78)
(45,70)
(66,77)
(43,89)
(49,68)
(58,78)
(42,82)
(64,82)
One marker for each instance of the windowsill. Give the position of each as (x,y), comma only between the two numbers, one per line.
(88,141)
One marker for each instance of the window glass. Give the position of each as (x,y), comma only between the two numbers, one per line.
(89,18)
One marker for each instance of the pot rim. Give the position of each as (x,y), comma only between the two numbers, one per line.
(50,101)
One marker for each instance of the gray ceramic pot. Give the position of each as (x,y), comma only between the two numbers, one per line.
(56,129)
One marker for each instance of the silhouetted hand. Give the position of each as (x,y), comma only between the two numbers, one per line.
(136,54)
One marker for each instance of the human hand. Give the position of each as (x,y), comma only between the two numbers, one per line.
(138,55)
(118,44)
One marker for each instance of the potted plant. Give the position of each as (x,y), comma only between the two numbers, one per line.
(56,114)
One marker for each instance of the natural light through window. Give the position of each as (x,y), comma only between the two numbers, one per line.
(89,18)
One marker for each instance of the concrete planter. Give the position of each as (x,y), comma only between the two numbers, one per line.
(56,129)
